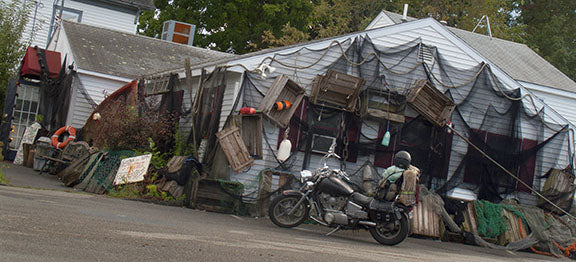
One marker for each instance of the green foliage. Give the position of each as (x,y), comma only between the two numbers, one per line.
(125,191)
(551,32)
(181,148)
(153,191)
(241,26)
(3,179)
(159,159)
(234,26)
(13,19)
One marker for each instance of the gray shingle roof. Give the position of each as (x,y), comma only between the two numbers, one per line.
(126,55)
(140,4)
(517,60)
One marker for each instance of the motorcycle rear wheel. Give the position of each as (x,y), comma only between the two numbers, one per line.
(392,233)
(279,208)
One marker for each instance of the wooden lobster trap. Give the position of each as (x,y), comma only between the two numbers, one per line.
(338,89)
(283,89)
(430,102)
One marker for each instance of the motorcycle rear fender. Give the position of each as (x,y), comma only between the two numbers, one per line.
(291,193)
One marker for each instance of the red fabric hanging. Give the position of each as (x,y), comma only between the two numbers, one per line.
(31,66)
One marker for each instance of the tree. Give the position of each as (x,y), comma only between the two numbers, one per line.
(234,26)
(551,32)
(13,19)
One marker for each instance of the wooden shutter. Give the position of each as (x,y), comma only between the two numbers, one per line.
(234,148)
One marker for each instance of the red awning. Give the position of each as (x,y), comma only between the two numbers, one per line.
(31,66)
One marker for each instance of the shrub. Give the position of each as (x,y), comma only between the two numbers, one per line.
(122,127)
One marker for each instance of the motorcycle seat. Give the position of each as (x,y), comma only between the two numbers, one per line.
(361,199)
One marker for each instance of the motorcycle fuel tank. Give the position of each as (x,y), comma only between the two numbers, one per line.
(335,186)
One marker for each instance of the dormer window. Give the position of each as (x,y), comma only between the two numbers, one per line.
(69,14)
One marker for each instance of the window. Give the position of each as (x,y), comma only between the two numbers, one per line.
(68,14)
(322,126)
(296,132)
(428,145)
(25,111)
(502,149)
(384,154)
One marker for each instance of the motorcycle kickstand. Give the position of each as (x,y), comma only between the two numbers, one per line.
(333,231)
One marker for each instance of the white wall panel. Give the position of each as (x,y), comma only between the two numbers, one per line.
(96,13)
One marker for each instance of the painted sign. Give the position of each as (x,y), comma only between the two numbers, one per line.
(132,169)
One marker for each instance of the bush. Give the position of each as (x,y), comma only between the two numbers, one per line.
(122,127)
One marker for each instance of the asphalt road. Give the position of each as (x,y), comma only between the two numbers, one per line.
(51,225)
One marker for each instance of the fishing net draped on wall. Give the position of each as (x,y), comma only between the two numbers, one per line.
(500,121)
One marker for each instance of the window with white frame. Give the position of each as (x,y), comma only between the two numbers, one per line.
(68,14)
(25,111)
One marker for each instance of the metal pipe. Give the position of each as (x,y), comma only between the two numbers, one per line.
(367,223)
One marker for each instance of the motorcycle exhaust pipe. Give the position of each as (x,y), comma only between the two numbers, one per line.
(367,223)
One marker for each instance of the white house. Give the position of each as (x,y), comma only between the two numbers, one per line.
(46,16)
(399,54)
(517,60)
(107,59)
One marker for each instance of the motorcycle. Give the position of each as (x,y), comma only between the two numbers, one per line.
(328,199)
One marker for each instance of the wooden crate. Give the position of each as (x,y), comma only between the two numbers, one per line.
(282,89)
(265,188)
(252,134)
(338,89)
(560,187)
(234,148)
(470,224)
(374,104)
(212,197)
(425,221)
(430,102)
(512,233)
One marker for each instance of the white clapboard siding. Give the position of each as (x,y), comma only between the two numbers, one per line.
(96,13)
(97,88)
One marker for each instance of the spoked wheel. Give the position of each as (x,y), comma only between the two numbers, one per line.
(281,206)
(392,233)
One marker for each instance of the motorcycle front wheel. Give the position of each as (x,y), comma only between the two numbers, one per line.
(281,206)
(392,233)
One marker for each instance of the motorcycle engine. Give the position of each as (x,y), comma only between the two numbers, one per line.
(331,202)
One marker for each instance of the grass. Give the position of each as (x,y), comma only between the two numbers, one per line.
(3,179)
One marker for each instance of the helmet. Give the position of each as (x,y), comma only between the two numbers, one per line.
(402,159)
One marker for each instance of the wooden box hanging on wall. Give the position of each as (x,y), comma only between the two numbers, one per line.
(282,89)
(251,130)
(338,89)
(234,148)
(430,102)
(381,104)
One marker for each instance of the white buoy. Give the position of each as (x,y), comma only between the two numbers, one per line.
(284,150)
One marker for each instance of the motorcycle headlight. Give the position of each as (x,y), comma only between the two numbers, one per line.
(305,175)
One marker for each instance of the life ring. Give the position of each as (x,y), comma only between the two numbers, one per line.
(65,129)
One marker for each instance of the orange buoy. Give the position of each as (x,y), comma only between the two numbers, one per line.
(281,105)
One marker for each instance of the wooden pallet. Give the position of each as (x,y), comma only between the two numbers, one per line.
(210,196)
(234,148)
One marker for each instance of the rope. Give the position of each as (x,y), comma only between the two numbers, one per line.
(521,228)
(509,173)
(455,86)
